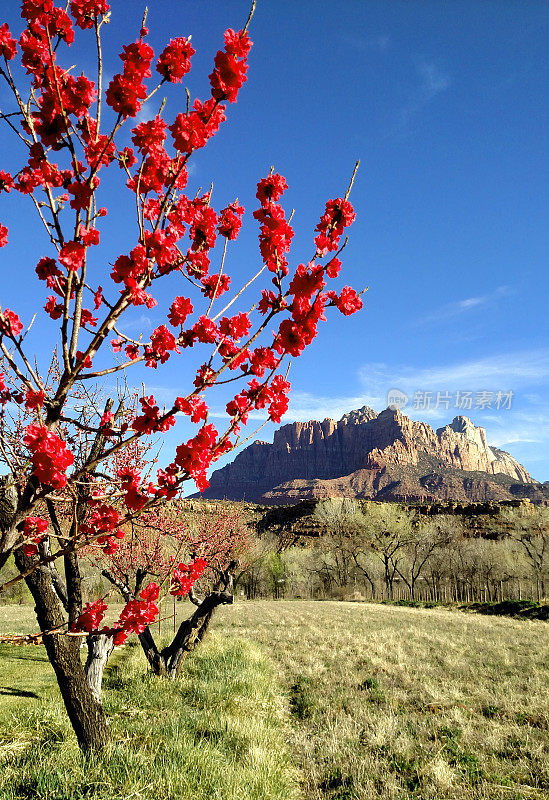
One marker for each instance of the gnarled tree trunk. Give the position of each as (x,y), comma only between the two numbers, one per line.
(85,712)
(100,646)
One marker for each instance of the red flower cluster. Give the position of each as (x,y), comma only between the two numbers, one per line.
(175,60)
(34,400)
(260,395)
(194,407)
(271,188)
(132,270)
(91,617)
(10,324)
(5,394)
(276,234)
(8,45)
(34,530)
(185,576)
(195,456)
(50,457)
(230,66)
(104,520)
(230,221)
(135,617)
(126,91)
(85,12)
(72,256)
(130,480)
(192,131)
(179,311)
(162,342)
(347,302)
(339,214)
(151,420)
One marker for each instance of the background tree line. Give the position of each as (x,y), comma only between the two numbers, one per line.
(387,552)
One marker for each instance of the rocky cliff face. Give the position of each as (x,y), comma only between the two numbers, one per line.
(366,454)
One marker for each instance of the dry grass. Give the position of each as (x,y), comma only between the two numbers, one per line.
(393,702)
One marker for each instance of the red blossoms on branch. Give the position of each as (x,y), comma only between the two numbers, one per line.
(230,66)
(85,12)
(49,454)
(185,576)
(175,60)
(34,530)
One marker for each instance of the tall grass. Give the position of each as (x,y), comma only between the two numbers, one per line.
(217,733)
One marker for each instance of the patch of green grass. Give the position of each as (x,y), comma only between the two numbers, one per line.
(217,733)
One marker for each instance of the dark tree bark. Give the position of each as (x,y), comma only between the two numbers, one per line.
(167,663)
(85,713)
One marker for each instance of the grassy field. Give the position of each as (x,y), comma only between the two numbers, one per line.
(300,699)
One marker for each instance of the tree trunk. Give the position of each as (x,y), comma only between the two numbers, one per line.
(172,655)
(85,713)
(100,646)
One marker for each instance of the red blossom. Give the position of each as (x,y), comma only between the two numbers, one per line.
(10,324)
(53,308)
(236,327)
(6,181)
(34,530)
(194,407)
(49,454)
(348,301)
(149,136)
(72,256)
(271,188)
(237,43)
(179,311)
(85,12)
(175,60)
(215,285)
(89,236)
(91,617)
(184,576)
(8,45)
(230,67)
(34,399)
(230,221)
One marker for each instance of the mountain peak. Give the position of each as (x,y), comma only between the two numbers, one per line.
(364,414)
(365,454)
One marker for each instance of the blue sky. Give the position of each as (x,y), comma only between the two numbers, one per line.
(446,106)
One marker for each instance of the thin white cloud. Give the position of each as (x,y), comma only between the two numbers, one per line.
(505,371)
(430,81)
(433,80)
(449,311)
(142,323)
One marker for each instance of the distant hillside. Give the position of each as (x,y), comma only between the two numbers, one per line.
(384,456)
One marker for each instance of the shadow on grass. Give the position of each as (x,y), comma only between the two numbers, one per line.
(9,690)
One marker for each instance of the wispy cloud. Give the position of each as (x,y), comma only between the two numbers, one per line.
(142,323)
(433,80)
(506,370)
(430,81)
(449,311)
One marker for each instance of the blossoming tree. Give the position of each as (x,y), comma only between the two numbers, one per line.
(70,131)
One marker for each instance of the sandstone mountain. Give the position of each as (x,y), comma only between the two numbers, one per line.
(385,456)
